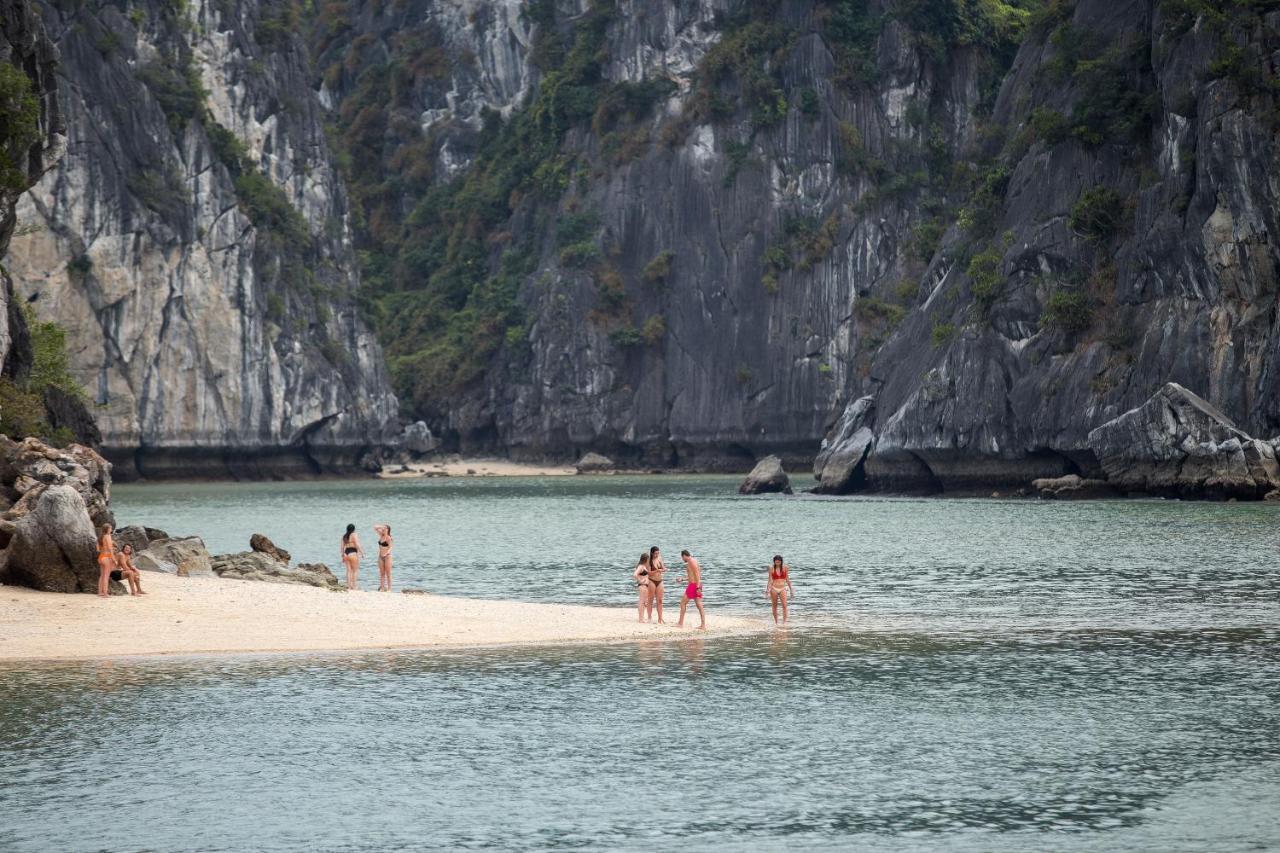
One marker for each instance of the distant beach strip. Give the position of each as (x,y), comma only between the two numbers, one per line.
(216,615)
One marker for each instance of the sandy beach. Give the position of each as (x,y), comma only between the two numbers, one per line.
(213,615)
(475,468)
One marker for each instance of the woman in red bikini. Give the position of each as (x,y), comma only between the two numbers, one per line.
(106,560)
(643,588)
(778,588)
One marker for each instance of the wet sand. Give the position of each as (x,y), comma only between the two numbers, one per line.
(212,615)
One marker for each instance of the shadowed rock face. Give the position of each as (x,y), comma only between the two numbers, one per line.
(767,477)
(208,297)
(1044,308)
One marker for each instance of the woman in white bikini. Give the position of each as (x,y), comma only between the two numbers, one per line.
(383,532)
(351,555)
(643,587)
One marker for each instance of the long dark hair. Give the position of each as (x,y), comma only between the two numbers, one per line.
(777,558)
(351,528)
(644,558)
(653,551)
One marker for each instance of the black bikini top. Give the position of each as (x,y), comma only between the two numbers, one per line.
(384,543)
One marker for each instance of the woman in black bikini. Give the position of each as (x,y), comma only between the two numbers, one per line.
(643,587)
(383,532)
(656,569)
(351,554)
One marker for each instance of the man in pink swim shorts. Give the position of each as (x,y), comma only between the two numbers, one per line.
(692,592)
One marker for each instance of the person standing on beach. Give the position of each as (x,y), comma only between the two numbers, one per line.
(693,590)
(351,555)
(643,588)
(106,560)
(656,569)
(383,532)
(778,587)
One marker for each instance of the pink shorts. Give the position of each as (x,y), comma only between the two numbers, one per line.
(693,590)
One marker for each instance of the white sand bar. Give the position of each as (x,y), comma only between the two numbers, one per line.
(212,615)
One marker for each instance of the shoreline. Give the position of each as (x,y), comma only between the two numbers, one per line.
(215,617)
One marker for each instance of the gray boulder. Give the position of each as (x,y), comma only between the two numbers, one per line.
(30,466)
(135,535)
(417,438)
(53,547)
(767,476)
(839,466)
(1072,487)
(594,463)
(185,557)
(263,545)
(259,566)
(1179,444)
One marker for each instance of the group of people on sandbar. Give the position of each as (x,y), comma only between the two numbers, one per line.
(651,569)
(116,564)
(352,552)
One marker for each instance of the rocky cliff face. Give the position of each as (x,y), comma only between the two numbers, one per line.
(711,226)
(195,244)
(31,140)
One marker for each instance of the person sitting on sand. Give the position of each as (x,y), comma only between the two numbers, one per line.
(351,555)
(777,587)
(383,532)
(106,560)
(656,569)
(643,587)
(693,591)
(128,571)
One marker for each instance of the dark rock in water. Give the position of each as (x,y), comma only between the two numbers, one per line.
(839,465)
(594,463)
(185,557)
(263,545)
(766,477)
(261,566)
(414,591)
(1179,444)
(1073,487)
(53,547)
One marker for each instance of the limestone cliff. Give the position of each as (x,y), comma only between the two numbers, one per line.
(696,231)
(195,244)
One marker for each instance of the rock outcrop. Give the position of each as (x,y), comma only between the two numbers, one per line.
(185,556)
(53,547)
(30,466)
(1072,487)
(259,566)
(768,476)
(593,463)
(260,543)
(1179,444)
(839,466)
(195,244)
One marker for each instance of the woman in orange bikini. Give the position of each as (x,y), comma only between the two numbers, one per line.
(351,554)
(383,532)
(779,588)
(128,571)
(106,560)
(643,588)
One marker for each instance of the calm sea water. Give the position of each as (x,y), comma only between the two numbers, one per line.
(967,674)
